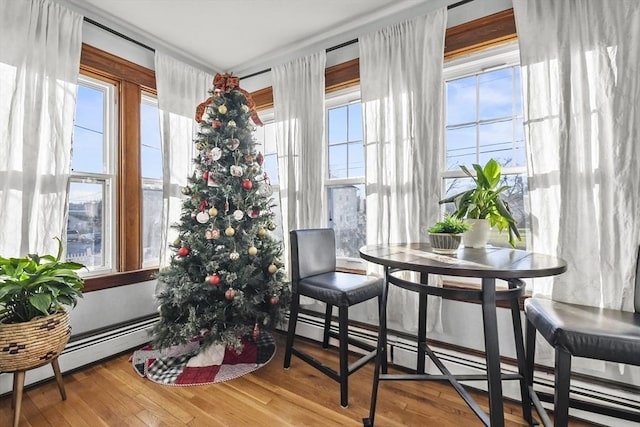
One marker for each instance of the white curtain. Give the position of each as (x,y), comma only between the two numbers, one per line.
(581,82)
(298,100)
(39,65)
(181,88)
(402,96)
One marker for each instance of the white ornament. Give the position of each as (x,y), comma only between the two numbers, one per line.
(245,108)
(233,143)
(234,256)
(216,153)
(231,123)
(202,217)
(265,189)
(236,170)
(238,215)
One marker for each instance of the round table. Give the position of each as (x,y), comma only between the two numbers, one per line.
(488,264)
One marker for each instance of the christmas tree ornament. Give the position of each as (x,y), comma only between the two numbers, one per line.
(193,215)
(202,217)
(205,175)
(183,251)
(226,205)
(229,231)
(236,171)
(234,256)
(216,153)
(238,214)
(208,234)
(252,251)
(211,182)
(272,269)
(231,123)
(222,109)
(255,212)
(215,233)
(244,108)
(260,159)
(247,184)
(213,211)
(186,191)
(216,124)
(274,300)
(264,189)
(255,168)
(262,232)
(248,159)
(199,146)
(271,226)
(213,280)
(230,294)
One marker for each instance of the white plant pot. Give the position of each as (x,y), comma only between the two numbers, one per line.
(478,236)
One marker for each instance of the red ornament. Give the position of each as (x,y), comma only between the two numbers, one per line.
(247,184)
(230,294)
(255,213)
(275,300)
(205,175)
(214,280)
(216,124)
(183,251)
(260,159)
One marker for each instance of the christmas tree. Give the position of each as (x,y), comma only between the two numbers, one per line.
(225,279)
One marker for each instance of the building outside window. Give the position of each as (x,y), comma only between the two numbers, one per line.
(91,190)
(484,121)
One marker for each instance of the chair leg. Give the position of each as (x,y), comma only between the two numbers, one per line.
(293,320)
(530,348)
(562,381)
(56,371)
(18,388)
(343,335)
(327,325)
(521,357)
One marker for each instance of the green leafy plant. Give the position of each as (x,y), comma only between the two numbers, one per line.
(450,225)
(35,285)
(484,201)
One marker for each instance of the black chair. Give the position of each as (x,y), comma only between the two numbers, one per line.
(582,331)
(314,275)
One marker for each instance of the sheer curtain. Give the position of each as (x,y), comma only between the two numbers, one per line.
(180,89)
(402,96)
(581,81)
(39,64)
(298,99)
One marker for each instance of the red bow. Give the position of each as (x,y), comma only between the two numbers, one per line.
(226,82)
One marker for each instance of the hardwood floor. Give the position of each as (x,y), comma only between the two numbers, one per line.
(112,394)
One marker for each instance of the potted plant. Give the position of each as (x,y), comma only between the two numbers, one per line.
(34,324)
(445,235)
(485,204)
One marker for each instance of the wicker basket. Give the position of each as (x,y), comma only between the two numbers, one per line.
(32,344)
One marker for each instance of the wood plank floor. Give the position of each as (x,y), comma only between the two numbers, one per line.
(112,394)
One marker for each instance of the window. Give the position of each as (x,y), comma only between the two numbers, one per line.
(484,121)
(91,190)
(265,137)
(115,190)
(345,183)
(151,164)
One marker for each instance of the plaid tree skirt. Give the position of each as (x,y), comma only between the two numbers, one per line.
(187,365)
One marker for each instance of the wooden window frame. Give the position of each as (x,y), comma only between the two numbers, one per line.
(483,33)
(130,81)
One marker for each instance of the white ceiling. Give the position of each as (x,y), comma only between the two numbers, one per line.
(244,36)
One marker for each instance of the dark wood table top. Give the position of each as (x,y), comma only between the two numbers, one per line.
(489,262)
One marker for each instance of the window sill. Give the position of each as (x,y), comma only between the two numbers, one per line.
(118,279)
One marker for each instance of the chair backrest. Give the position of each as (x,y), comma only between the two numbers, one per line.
(313,251)
(637,288)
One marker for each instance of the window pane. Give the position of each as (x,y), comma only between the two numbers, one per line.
(461,147)
(347,216)
(496,141)
(355,122)
(151,222)
(270,166)
(461,94)
(338,161)
(356,159)
(495,94)
(88,132)
(151,154)
(338,125)
(85,225)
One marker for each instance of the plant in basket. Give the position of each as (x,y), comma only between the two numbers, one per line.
(445,235)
